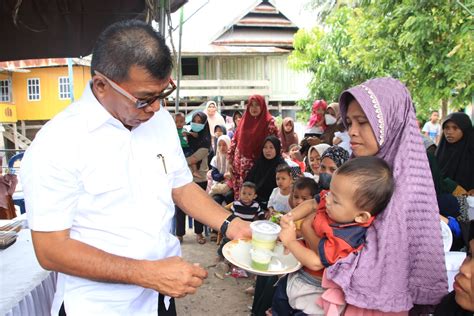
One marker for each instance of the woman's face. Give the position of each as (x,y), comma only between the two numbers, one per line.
(269,151)
(314,161)
(363,141)
(222,147)
(452,132)
(288,126)
(197,119)
(255,109)
(463,282)
(328,166)
(211,109)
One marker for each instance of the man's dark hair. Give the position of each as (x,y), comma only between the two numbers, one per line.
(374,181)
(283,168)
(128,43)
(306,183)
(248,184)
(434,111)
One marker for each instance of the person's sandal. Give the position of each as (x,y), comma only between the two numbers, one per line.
(213,236)
(200,239)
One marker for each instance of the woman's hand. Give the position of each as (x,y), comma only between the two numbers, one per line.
(227,175)
(288,229)
(313,141)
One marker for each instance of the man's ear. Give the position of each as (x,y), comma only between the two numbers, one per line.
(362,217)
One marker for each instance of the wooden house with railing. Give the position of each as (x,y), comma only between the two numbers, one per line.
(233,49)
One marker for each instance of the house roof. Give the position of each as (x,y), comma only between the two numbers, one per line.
(17,65)
(218,26)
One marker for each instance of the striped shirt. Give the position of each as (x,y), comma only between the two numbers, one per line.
(247,212)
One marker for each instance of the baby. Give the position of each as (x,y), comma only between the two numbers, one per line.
(180,121)
(359,190)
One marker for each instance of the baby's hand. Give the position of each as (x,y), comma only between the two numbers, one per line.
(227,176)
(288,233)
(193,134)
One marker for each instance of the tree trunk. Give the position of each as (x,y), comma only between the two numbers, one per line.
(444,108)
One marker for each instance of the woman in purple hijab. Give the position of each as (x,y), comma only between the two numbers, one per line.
(402,263)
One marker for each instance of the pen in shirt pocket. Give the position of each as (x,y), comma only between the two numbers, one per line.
(160,156)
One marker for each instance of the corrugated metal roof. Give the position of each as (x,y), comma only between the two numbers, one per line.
(45,62)
(223,50)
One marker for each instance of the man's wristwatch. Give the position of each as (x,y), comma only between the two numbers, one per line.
(225,225)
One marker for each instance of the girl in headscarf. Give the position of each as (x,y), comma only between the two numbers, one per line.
(314,159)
(455,152)
(316,124)
(213,117)
(264,171)
(256,124)
(201,146)
(219,167)
(287,134)
(402,263)
(331,117)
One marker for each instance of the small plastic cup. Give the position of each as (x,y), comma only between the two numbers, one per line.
(261,258)
(264,235)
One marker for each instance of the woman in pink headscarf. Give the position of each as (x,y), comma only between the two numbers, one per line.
(316,124)
(213,116)
(402,263)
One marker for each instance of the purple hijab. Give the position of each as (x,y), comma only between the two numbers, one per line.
(402,262)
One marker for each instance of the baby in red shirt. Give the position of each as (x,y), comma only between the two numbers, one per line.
(359,190)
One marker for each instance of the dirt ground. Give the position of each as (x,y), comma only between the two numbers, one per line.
(215,296)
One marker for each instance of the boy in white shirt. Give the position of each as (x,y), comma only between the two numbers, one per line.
(432,128)
(278,201)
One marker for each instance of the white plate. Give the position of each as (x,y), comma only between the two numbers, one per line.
(447,236)
(238,253)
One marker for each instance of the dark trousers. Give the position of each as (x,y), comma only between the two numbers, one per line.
(263,297)
(181,218)
(161,308)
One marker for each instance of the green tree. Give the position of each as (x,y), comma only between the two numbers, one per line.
(320,51)
(427,44)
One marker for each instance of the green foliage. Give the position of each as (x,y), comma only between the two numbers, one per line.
(426,44)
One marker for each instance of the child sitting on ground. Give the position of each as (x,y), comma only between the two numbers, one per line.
(247,209)
(179,120)
(360,189)
(278,201)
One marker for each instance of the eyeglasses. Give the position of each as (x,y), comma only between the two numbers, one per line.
(140,103)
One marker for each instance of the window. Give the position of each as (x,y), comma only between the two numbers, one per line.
(189,66)
(33,89)
(63,87)
(5,91)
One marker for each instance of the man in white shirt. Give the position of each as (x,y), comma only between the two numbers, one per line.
(100,183)
(432,128)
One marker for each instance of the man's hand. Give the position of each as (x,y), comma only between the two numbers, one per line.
(239,229)
(173,276)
